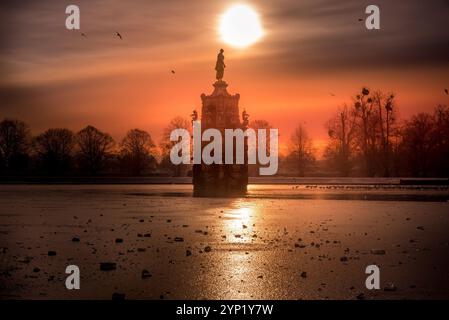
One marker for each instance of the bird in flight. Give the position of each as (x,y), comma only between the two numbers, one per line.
(332,94)
(173,71)
(83,34)
(360,19)
(447,92)
(118,35)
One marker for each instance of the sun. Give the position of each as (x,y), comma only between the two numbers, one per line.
(240,26)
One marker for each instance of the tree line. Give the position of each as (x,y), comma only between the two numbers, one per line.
(90,151)
(59,151)
(365,138)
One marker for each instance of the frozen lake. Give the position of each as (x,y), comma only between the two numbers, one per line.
(260,245)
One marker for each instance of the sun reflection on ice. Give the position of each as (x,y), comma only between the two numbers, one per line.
(239,222)
(244,212)
(239,267)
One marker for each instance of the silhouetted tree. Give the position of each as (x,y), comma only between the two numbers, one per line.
(417,142)
(256,125)
(14,143)
(137,148)
(54,150)
(166,145)
(386,128)
(261,124)
(440,153)
(366,131)
(341,148)
(425,143)
(365,112)
(94,148)
(301,151)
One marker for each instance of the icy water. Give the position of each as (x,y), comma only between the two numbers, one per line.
(277,242)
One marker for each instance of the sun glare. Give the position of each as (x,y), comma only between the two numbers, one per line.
(240,26)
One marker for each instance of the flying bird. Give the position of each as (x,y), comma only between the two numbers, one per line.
(173,71)
(332,94)
(83,34)
(360,19)
(118,35)
(445,90)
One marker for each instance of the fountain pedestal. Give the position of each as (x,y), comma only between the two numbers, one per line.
(220,110)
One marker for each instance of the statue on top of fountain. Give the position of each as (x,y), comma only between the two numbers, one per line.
(220,66)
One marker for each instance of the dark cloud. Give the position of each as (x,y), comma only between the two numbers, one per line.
(301,34)
(326,35)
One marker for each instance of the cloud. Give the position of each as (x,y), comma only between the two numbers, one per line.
(326,35)
(301,35)
(34,38)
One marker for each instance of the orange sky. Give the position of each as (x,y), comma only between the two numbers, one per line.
(56,78)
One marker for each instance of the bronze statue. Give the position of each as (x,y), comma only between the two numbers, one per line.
(220,65)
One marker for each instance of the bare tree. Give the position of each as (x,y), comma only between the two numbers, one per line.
(301,151)
(257,124)
(94,148)
(417,143)
(137,148)
(424,147)
(342,148)
(440,141)
(365,112)
(261,124)
(166,145)
(14,142)
(376,122)
(386,117)
(54,149)
(175,123)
